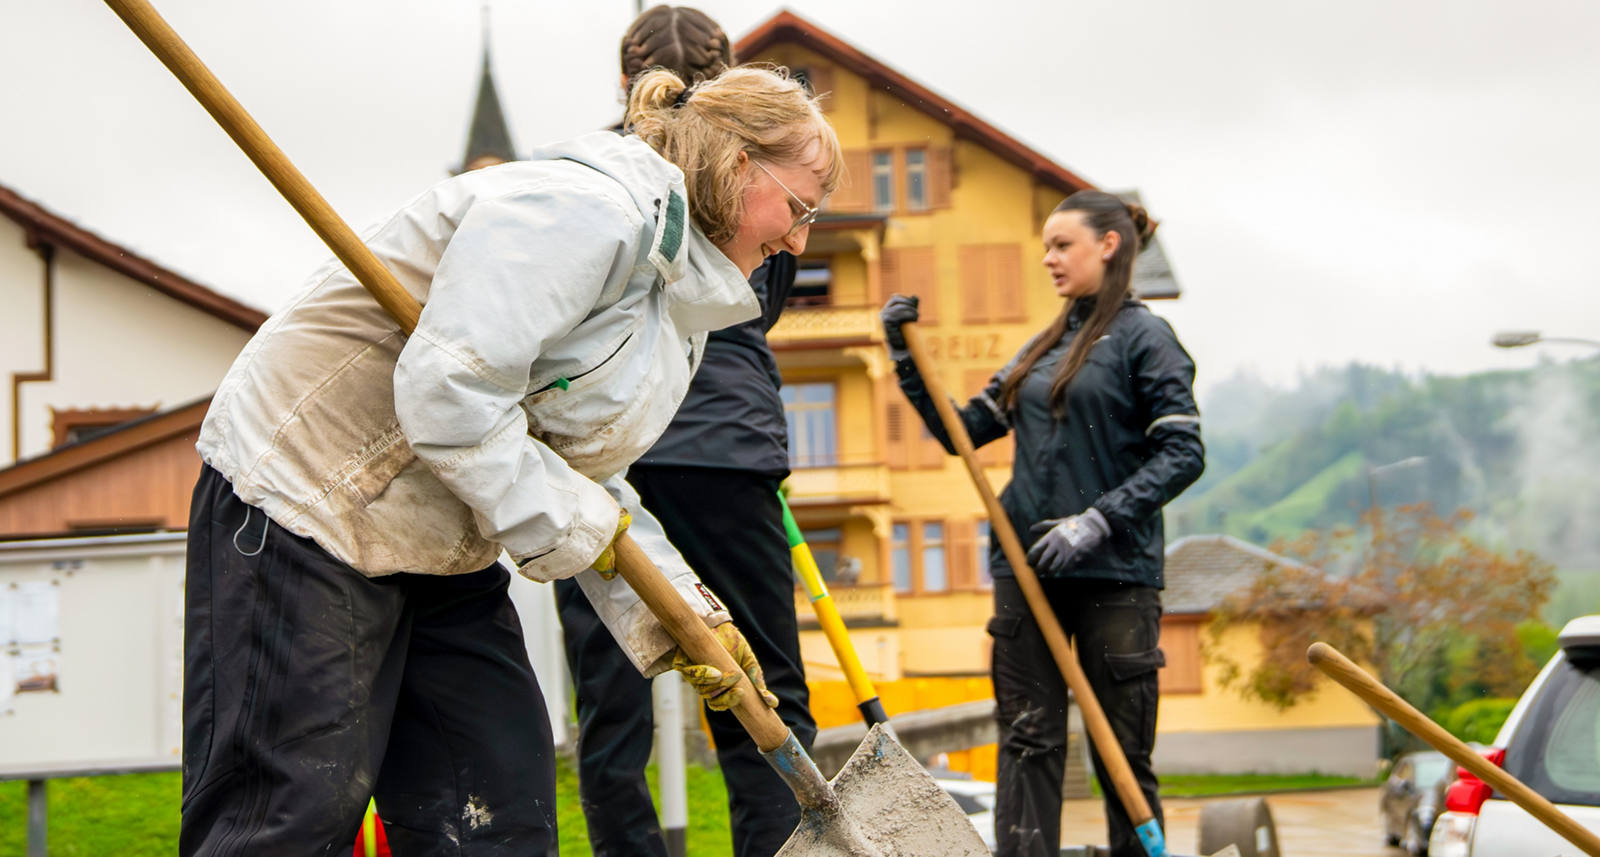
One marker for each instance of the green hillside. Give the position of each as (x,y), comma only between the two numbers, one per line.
(1520,448)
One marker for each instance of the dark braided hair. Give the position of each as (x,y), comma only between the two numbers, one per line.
(1102,213)
(679,39)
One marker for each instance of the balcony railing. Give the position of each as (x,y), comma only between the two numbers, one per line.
(799,325)
(866,604)
(838,481)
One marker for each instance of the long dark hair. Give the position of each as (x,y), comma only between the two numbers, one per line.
(1103,213)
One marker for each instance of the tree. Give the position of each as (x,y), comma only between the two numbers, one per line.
(1435,609)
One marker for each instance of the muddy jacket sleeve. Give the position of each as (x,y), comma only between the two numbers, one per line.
(982,415)
(519,274)
(632,624)
(1162,375)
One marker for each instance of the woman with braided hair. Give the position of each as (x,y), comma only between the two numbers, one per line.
(712,481)
(348,632)
(1102,407)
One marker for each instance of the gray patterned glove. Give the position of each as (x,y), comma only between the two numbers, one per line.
(899,310)
(1066,542)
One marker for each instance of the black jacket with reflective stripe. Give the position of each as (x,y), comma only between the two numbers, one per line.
(732,416)
(1128,443)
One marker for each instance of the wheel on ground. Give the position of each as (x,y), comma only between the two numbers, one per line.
(1245,823)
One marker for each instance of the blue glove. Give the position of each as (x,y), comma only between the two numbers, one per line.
(1066,542)
(899,310)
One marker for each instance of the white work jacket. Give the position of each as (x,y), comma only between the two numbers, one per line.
(566,301)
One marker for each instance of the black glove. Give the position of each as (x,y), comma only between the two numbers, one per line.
(899,310)
(1067,542)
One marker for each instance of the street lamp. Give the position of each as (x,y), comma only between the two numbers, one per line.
(1520,338)
(1372,486)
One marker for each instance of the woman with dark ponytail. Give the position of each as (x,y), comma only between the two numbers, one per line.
(1107,433)
(712,482)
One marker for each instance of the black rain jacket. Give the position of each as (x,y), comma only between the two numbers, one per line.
(732,416)
(1128,444)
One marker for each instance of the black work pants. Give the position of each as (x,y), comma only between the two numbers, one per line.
(728,526)
(1114,628)
(309,687)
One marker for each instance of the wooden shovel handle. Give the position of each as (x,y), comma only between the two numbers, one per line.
(1342,670)
(151,29)
(1094,717)
(636,568)
(690,631)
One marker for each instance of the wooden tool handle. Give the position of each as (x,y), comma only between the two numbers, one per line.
(636,568)
(686,627)
(151,29)
(1094,717)
(1344,671)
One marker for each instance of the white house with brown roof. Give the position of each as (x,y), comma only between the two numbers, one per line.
(95,338)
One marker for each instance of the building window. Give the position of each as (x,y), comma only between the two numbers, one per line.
(813,281)
(824,544)
(981,545)
(900,558)
(935,577)
(882,181)
(811,413)
(78,425)
(917,179)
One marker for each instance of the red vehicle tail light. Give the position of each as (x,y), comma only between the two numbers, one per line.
(1467,793)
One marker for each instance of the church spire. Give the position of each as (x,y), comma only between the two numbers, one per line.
(489,139)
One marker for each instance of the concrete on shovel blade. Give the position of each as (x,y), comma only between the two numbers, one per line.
(888,807)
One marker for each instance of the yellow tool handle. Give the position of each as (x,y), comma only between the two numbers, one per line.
(1341,669)
(1094,717)
(832,623)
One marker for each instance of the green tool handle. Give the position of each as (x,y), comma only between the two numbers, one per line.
(832,623)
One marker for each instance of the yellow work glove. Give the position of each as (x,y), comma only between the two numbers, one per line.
(715,688)
(606,563)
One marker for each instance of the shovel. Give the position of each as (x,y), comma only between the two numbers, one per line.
(832,623)
(1341,669)
(882,804)
(1094,717)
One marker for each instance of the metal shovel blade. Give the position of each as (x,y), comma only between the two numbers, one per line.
(888,806)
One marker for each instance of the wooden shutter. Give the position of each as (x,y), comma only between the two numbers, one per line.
(910,271)
(961,553)
(930,454)
(941,176)
(1009,301)
(855,190)
(897,452)
(1180,640)
(820,78)
(973,281)
(914,273)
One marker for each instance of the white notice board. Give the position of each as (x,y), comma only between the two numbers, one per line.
(91,635)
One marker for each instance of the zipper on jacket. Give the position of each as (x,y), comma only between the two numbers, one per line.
(564,383)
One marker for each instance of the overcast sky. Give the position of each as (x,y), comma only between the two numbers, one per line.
(1362,180)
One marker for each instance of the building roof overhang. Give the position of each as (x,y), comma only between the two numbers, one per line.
(46,228)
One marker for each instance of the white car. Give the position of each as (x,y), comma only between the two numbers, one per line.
(1551,742)
(976,799)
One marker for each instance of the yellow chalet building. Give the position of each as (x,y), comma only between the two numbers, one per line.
(940,204)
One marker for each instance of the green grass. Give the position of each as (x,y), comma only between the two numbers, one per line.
(1216,785)
(1196,785)
(136,815)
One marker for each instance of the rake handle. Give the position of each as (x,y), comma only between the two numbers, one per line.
(636,568)
(1094,717)
(1341,669)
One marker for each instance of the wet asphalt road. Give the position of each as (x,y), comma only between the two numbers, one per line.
(1340,823)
